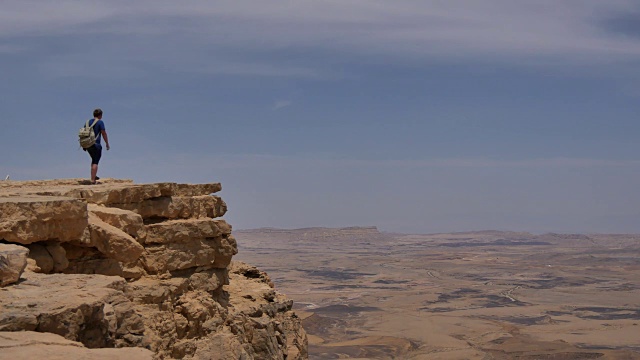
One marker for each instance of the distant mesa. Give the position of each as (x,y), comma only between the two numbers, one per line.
(344,230)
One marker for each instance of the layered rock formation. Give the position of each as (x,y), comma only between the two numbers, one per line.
(136,265)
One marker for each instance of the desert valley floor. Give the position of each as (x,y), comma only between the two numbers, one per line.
(478,295)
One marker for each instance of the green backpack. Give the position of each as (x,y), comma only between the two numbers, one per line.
(87,136)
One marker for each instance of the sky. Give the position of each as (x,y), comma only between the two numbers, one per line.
(413,116)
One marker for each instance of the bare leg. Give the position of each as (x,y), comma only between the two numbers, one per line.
(94,172)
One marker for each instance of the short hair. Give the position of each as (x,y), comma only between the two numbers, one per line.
(97,113)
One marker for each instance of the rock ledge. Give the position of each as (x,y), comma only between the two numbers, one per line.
(132,266)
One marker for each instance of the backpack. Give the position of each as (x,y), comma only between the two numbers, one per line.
(87,137)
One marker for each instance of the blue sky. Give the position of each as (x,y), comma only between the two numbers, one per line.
(415,116)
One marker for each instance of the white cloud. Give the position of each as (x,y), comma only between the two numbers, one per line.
(281,104)
(47,17)
(565,30)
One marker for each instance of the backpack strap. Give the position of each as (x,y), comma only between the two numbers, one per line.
(92,125)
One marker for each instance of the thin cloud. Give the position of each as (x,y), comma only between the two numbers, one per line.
(234,161)
(563,31)
(281,104)
(256,69)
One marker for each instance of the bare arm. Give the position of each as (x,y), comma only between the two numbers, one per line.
(106,138)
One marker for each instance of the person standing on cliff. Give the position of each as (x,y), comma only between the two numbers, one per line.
(95,151)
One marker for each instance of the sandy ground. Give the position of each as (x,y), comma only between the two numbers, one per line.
(482,295)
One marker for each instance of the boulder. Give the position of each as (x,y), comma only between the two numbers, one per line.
(42,257)
(58,255)
(32,266)
(113,242)
(28,219)
(127,221)
(29,345)
(13,261)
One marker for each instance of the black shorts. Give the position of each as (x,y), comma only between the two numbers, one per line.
(95,153)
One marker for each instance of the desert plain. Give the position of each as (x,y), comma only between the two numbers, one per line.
(363,294)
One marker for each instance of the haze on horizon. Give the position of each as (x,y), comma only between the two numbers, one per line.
(413,116)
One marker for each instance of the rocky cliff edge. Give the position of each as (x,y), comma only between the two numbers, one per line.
(124,270)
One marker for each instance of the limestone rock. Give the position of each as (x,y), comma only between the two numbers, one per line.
(224,344)
(91,309)
(28,219)
(29,345)
(13,261)
(42,257)
(178,207)
(208,280)
(211,252)
(113,242)
(162,258)
(156,291)
(182,297)
(186,320)
(262,319)
(100,266)
(182,231)
(81,250)
(135,193)
(89,260)
(58,255)
(41,186)
(121,194)
(127,221)
(109,267)
(227,247)
(196,189)
(32,266)
(49,256)
(110,191)
(177,311)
